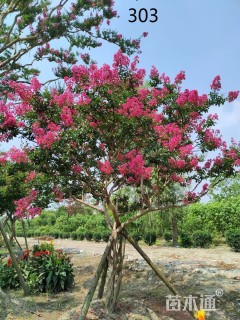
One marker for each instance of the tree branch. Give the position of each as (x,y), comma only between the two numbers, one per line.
(88,205)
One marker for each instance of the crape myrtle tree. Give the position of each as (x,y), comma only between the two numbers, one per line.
(28,28)
(102,131)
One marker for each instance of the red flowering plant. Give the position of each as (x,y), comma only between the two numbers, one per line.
(102,131)
(44,269)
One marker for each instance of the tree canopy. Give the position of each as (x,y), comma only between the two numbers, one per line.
(103,131)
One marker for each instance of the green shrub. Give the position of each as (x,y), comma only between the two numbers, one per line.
(97,236)
(44,269)
(8,275)
(136,236)
(185,240)
(233,239)
(81,236)
(74,235)
(105,236)
(55,233)
(150,238)
(88,235)
(201,239)
(167,236)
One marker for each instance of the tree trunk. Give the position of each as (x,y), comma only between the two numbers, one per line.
(103,280)
(93,287)
(14,260)
(116,258)
(24,233)
(175,230)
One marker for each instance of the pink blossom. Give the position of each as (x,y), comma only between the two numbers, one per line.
(194,162)
(77,168)
(66,116)
(216,84)
(177,163)
(10,121)
(179,77)
(164,78)
(135,167)
(208,163)
(177,178)
(232,95)
(205,187)
(35,84)
(120,60)
(93,124)
(80,74)
(186,150)
(193,96)
(142,94)
(154,72)
(3,159)
(218,161)
(45,138)
(105,167)
(59,194)
(17,155)
(31,176)
(190,197)
(133,108)
(25,208)
(237,162)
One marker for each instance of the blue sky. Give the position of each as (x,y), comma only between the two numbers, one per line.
(199,37)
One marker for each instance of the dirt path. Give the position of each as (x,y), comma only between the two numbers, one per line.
(217,256)
(193,271)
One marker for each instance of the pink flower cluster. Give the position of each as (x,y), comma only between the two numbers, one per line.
(232,95)
(135,168)
(45,138)
(191,97)
(24,207)
(120,60)
(211,137)
(105,167)
(133,108)
(170,135)
(31,176)
(77,168)
(180,77)
(216,84)
(17,155)
(66,116)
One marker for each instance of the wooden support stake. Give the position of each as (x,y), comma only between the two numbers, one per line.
(156,270)
(14,260)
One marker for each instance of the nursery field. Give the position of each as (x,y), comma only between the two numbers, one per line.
(194,271)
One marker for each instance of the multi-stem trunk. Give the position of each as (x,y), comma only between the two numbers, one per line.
(115,260)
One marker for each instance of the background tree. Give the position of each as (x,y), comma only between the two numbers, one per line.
(12,188)
(226,188)
(102,131)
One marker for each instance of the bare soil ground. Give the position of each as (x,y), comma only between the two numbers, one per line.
(193,271)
